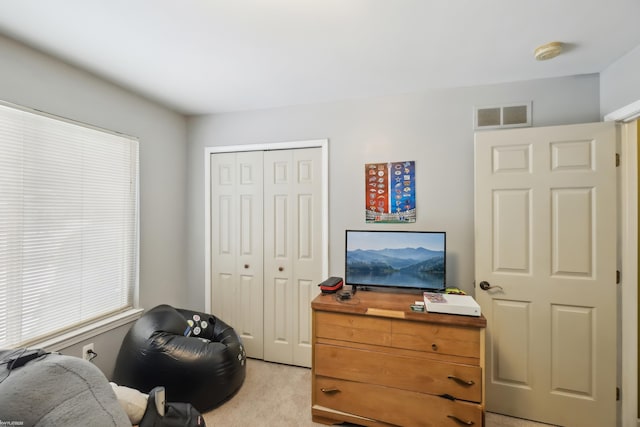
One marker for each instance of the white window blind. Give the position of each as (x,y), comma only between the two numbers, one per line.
(68,225)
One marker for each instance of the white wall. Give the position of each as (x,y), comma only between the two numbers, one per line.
(32,79)
(620,83)
(433,128)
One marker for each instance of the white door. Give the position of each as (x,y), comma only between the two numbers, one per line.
(292,252)
(237,245)
(266,248)
(545,221)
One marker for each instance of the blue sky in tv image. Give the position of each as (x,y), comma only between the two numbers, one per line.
(396,259)
(381,239)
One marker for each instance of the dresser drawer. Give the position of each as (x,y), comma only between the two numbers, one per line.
(408,373)
(436,338)
(353,328)
(394,406)
(403,334)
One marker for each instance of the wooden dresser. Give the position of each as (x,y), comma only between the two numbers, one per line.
(377,363)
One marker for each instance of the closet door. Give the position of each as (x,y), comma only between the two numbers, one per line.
(292,252)
(237,245)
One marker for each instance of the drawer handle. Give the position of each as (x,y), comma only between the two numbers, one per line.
(458,420)
(434,347)
(460,380)
(330,390)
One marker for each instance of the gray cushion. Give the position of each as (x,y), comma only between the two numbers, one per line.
(57,390)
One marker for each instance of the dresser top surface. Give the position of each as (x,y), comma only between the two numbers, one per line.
(392,305)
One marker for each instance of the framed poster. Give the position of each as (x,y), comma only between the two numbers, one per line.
(390,192)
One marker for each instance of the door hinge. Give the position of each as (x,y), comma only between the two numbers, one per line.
(618,277)
(617,393)
(617,159)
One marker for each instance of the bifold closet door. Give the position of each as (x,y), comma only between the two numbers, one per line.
(292,252)
(237,245)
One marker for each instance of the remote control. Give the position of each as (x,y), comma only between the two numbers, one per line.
(159,399)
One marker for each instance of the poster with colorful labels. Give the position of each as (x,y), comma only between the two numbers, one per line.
(390,192)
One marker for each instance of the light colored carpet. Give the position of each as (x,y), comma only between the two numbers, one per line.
(275,395)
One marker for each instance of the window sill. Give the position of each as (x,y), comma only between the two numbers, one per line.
(87,332)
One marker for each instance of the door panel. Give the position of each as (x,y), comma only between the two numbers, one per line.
(292,252)
(280,223)
(308,251)
(572,232)
(512,225)
(545,213)
(278,285)
(281,308)
(236,245)
(307,292)
(572,332)
(512,336)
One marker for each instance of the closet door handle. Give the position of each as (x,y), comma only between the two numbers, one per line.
(246,266)
(280,268)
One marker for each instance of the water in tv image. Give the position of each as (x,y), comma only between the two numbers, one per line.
(397,259)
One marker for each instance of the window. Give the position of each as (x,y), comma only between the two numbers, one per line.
(68,225)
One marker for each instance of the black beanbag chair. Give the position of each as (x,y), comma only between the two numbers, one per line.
(198,358)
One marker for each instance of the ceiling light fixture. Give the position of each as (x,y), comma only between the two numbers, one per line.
(548,51)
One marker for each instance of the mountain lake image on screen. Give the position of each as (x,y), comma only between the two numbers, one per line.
(399,259)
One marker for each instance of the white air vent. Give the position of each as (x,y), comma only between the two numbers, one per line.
(502,116)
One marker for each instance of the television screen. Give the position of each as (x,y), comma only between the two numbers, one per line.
(399,259)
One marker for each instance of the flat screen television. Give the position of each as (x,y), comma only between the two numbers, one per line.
(396,259)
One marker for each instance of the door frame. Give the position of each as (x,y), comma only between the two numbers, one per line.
(628,232)
(323,144)
(629,275)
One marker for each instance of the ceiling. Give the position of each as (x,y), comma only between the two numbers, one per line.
(212,56)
